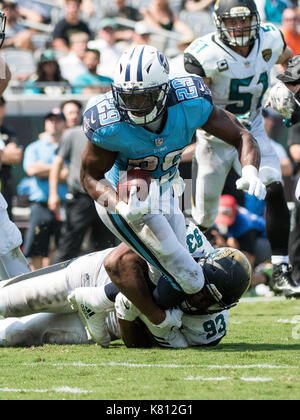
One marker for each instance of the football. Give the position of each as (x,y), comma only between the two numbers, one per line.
(135,177)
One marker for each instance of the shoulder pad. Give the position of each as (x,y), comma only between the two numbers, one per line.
(187,87)
(272,39)
(200,47)
(102,114)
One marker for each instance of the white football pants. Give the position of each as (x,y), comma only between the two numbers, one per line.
(161,240)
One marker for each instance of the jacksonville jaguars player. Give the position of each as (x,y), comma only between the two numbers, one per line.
(146,121)
(45,315)
(235,62)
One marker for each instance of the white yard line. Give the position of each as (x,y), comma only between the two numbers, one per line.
(162,365)
(64,389)
(224,378)
(202,378)
(257,379)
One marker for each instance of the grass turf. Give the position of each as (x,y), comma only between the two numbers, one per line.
(258,359)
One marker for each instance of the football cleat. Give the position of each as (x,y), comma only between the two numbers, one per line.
(95,322)
(281,282)
(292,292)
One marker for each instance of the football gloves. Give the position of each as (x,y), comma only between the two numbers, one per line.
(135,209)
(251,182)
(281,99)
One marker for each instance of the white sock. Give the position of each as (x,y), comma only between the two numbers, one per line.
(280,259)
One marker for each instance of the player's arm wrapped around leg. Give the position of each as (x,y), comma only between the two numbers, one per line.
(251,182)
(166,334)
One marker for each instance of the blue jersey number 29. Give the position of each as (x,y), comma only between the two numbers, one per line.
(185,88)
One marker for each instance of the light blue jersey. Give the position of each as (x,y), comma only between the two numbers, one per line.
(189,106)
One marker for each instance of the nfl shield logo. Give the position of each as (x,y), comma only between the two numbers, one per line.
(159,141)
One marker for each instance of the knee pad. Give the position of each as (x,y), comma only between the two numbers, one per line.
(268,175)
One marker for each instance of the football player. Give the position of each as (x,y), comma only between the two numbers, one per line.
(41,301)
(235,62)
(146,121)
(12,261)
(284,97)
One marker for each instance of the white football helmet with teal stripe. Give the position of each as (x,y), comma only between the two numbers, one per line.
(141,84)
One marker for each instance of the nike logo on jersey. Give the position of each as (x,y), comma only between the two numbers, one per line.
(126,305)
(92,118)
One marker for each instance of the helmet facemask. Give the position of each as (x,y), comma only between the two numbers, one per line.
(238,35)
(141,106)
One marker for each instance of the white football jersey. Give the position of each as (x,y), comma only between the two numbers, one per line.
(196,330)
(239,83)
(200,330)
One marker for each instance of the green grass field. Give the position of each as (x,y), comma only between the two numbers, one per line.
(258,359)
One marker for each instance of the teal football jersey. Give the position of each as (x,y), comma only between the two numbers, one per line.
(189,106)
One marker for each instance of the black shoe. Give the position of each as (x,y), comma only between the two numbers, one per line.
(281,282)
(293,292)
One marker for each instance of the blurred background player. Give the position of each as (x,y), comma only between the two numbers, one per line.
(235,63)
(284,97)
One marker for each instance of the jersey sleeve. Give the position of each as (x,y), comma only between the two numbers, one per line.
(101,124)
(201,55)
(273,43)
(194,98)
(196,241)
(204,330)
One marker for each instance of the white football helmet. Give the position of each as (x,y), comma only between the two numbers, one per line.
(141,84)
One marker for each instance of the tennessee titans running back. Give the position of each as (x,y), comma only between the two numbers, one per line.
(147,121)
